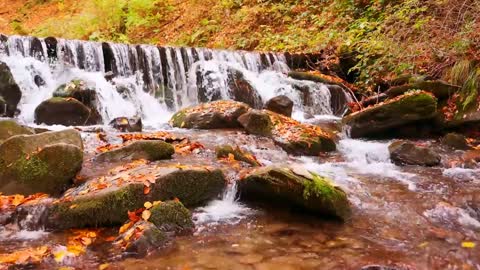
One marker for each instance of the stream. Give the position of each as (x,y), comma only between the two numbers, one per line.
(407,217)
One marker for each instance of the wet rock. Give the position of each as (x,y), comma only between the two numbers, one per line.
(407,109)
(172,216)
(338,99)
(298,187)
(125,124)
(455,141)
(257,122)
(144,149)
(44,163)
(9,128)
(439,89)
(294,137)
(109,76)
(224,151)
(62,111)
(9,91)
(281,105)
(78,90)
(407,153)
(240,89)
(105,201)
(212,115)
(39,81)
(141,239)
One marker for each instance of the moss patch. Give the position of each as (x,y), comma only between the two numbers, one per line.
(171,216)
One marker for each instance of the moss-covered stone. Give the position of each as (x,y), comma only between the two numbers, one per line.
(172,216)
(294,137)
(145,149)
(62,111)
(49,170)
(224,151)
(105,201)
(439,89)
(141,239)
(10,128)
(456,141)
(406,109)
(211,115)
(285,185)
(40,163)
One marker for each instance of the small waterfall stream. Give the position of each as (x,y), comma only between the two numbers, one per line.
(149,81)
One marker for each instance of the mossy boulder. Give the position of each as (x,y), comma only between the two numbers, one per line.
(78,90)
(62,111)
(9,91)
(297,187)
(456,141)
(406,109)
(44,162)
(144,149)
(212,115)
(224,151)
(10,128)
(106,200)
(439,89)
(294,137)
(141,239)
(407,153)
(172,216)
(257,122)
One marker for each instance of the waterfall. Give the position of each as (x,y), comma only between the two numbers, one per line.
(151,81)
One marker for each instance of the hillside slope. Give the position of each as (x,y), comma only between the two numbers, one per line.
(382,38)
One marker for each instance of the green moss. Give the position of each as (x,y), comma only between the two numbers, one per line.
(109,208)
(178,119)
(319,187)
(171,215)
(157,149)
(30,169)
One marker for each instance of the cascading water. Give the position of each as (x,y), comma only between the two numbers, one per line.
(151,82)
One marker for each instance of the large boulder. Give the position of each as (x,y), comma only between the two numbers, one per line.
(295,186)
(44,162)
(293,136)
(143,149)
(62,111)
(406,109)
(281,105)
(9,128)
(10,92)
(439,89)
(106,200)
(407,153)
(212,115)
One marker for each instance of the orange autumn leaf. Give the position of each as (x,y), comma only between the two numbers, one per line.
(146,189)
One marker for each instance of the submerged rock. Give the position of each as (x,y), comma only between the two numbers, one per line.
(44,163)
(144,149)
(212,115)
(406,109)
(455,141)
(10,92)
(125,124)
(105,201)
(281,105)
(172,216)
(10,128)
(407,153)
(296,187)
(293,136)
(141,239)
(224,151)
(62,111)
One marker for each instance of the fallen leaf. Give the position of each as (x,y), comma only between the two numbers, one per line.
(148,205)
(146,189)
(468,244)
(146,215)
